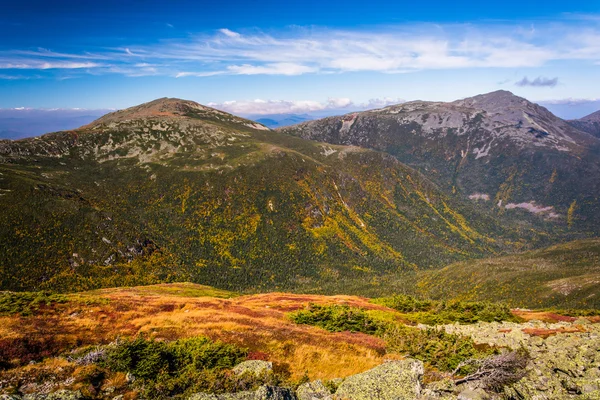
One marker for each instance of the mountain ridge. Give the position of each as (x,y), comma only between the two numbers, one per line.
(590,123)
(171,190)
(534,165)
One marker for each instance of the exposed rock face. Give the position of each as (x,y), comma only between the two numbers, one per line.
(394,380)
(497,145)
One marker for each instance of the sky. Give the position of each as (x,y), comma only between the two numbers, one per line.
(270,57)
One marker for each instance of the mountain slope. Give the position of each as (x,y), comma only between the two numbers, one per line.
(498,150)
(172,190)
(565,275)
(589,124)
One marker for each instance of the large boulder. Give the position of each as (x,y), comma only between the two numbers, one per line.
(313,391)
(58,395)
(393,380)
(262,393)
(253,367)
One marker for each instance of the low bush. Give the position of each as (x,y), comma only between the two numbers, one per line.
(182,367)
(337,318)
(434,347)
(27,303)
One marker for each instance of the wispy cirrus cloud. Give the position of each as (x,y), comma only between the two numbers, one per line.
(301,50)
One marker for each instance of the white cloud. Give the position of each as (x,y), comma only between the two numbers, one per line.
(294,51)
(265,107)
(271,69)
(570,101)
(229,33)
(35,64)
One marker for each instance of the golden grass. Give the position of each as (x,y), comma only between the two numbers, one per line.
(257,322)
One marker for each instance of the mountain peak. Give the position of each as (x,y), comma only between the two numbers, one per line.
(493,100)
(163,107)
(593,117)
(170,108)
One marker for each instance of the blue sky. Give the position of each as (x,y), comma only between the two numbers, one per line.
(266,57)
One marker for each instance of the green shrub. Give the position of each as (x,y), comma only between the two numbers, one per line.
(182,367)
(146,359)
(444,312)
(434,347)
(27,303)
(337,318)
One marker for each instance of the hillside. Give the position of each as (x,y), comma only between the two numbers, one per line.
(589,124)
(171,190)
(564,276)
(186,341)
(500,151)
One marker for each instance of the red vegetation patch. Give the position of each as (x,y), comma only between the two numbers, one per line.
(544,333)
(544,316)
(258,355)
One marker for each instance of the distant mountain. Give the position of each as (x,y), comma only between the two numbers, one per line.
(172,190)
(589,124)
(506,154)
(280,120)
(22,123)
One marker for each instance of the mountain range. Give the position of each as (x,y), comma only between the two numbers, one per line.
(171,190)
(502,152)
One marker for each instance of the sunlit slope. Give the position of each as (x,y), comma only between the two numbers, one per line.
(172,190)
(565,276)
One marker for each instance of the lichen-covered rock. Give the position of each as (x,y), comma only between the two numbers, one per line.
(273,393)
(58,395)
(564,365)
(9,397)
(312,391)
(595,395)
(247,395)
(394,380)
(473,394)
(262,393)
(253,367)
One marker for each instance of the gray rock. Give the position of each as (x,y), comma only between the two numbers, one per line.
(225,396)
(394,380)
(58,395)
(9,397)
(312,391)
(262,393)
(590,396)
(273,393)
(253,367)
(473,394)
